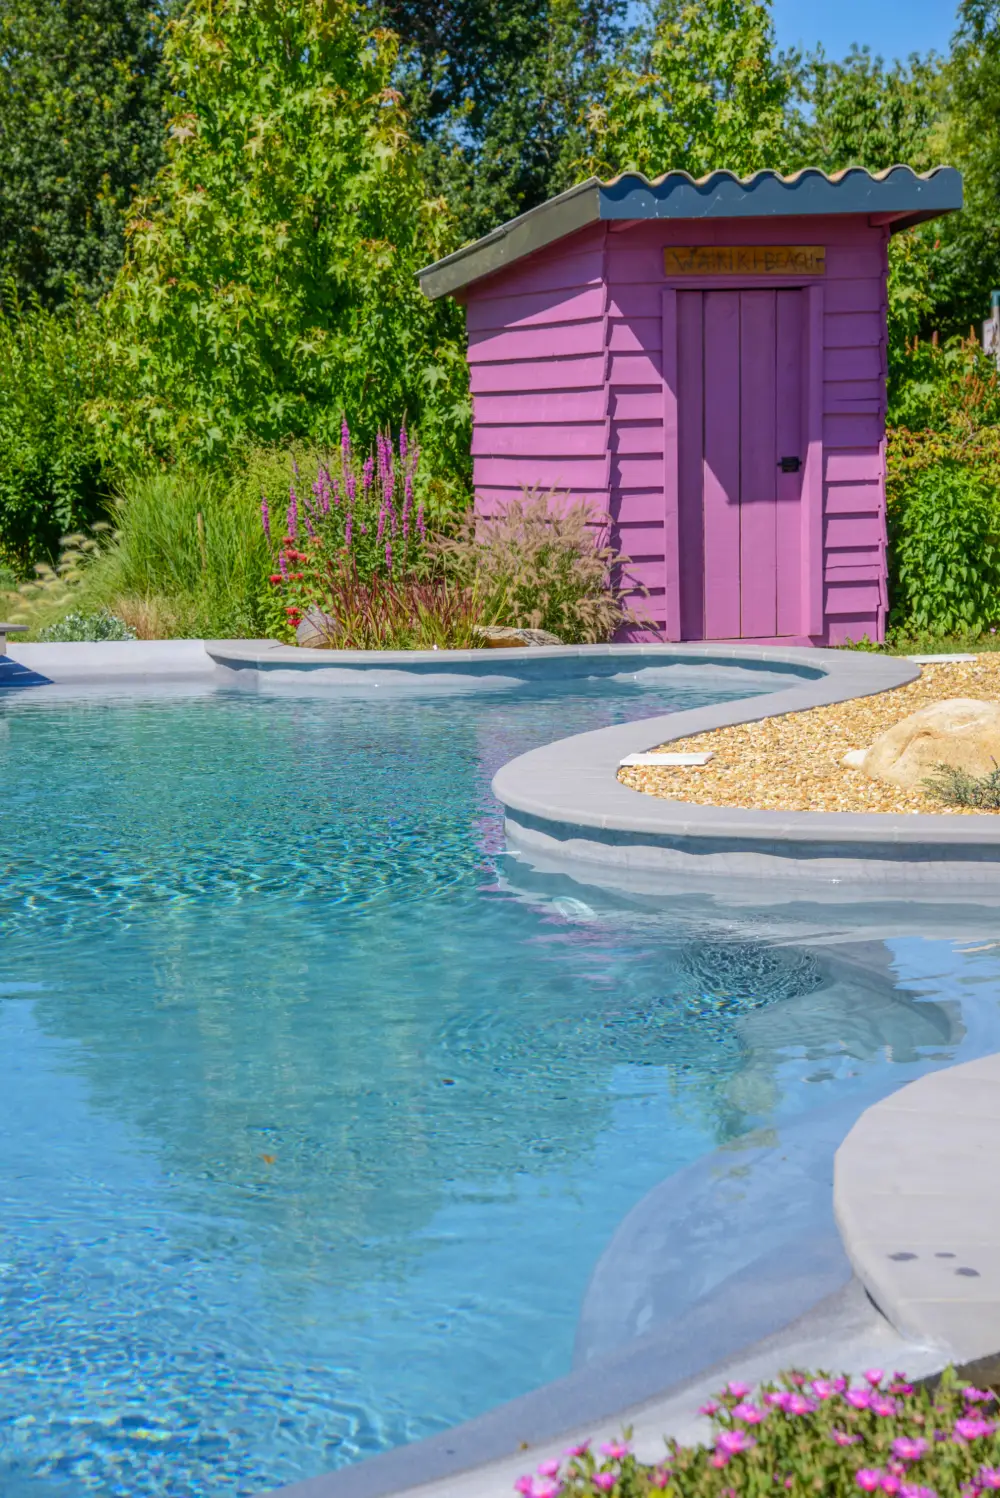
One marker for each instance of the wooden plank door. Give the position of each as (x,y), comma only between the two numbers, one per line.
(740,412)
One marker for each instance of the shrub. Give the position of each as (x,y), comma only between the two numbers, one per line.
(187,552)
(944,546)
(805,1436)
(958,788)
(539,566)
(357,524)
(385,613)
(51,474)
(92,627)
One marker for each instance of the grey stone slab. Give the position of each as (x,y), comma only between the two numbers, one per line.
(916,1203)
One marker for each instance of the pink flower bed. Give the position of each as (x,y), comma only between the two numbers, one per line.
(806,1435)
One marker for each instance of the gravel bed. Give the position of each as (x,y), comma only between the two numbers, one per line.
(793,763)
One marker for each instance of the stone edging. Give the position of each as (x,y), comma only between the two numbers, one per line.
(564,803)
(915,1205)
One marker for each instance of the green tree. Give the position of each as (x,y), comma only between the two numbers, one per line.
(498,95)
(859,112)
(698,88)
(968,261)
(81,128)
(269,284)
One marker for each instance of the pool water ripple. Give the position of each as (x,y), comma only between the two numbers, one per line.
(315,1124)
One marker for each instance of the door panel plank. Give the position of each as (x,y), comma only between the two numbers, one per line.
(758,465)
(721,484)
(789,395)
(690,462)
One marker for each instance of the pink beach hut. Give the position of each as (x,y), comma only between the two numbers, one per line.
(705,361)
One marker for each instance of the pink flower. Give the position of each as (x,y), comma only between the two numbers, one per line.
(615,1449)
(798,1379)
(972,1395)
(889,1482)
(575,1451)
(843,1439)
(660,1477)
(748,1413)
(868,1479)
(524,1485)
(604,1480)
(971,1428)
(908,1448)
(545,1490)
(798,1404)
(738,1391)
(711,1408)
(881,1404)
(858,1399)
(989,1477)
(914,1490)
(874,1376)
(549,1468)
(778,1397)
(719,1459)
(822,1388)
(733,1441)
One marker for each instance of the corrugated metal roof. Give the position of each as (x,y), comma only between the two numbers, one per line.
(901,194)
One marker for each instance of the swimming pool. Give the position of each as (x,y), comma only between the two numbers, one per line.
(316,1114)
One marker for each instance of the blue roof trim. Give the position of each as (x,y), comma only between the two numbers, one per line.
(898,192)
(723,195)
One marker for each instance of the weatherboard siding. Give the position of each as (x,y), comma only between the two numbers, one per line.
(566,369)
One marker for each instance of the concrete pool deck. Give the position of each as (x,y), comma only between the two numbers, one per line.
(565,809)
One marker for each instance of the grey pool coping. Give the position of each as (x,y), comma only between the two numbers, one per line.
(563,802)
(917,1208)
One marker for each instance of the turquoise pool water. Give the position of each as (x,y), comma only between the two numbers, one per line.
(315,1120)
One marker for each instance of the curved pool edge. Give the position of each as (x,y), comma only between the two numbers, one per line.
(564,803)
(915,1212)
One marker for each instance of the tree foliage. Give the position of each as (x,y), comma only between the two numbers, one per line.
(81,128)
(860,112)
(269,283)
(698,88)
(500,94)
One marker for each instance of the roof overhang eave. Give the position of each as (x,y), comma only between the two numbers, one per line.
(539,227)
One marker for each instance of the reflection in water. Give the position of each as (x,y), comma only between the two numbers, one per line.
(314,1123)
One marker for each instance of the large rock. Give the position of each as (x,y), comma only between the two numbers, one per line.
(317,631)
(501,636)
(960,732)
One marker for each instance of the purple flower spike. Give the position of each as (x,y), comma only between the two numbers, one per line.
(350,485)
(283,565)
(421,527)
(388,556)
(309,530)
(345,440)
(336,491)
(402,442)
(293,513)
(265,517)
(367,473)
(381,523)
(295,466)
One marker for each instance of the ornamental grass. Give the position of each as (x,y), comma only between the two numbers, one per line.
(806,1434)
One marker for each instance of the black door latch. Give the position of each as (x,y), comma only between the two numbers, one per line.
(790,465)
